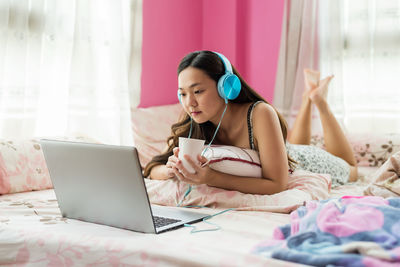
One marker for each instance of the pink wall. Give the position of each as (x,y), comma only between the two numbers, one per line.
(247,32)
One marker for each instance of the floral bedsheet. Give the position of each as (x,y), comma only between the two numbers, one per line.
(33,233)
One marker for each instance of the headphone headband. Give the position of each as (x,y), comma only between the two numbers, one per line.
(225,61)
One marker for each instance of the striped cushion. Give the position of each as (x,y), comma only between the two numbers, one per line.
(234,160)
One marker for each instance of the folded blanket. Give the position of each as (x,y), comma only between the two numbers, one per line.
(349,231)
(302,186)
(386,180)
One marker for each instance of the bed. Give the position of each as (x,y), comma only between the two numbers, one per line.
(33,232)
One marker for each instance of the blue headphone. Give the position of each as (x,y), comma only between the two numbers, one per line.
(228,85)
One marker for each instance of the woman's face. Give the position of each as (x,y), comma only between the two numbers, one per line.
(199,95)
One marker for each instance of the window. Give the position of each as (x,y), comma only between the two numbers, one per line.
(360,45)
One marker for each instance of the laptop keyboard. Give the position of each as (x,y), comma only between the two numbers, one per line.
(163,221)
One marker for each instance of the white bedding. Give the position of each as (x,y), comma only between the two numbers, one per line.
(32,232)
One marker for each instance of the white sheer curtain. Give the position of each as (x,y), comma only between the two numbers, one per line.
(298,50)
(66,67)
(360,44)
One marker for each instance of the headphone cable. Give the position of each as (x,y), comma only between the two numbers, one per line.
(203,152)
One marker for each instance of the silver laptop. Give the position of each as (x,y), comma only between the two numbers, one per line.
(104,184)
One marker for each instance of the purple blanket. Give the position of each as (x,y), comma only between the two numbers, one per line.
(349,231)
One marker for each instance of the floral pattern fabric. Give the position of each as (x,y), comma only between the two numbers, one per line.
(33,233)
(385,182)
(369,150)
(23,167)
(317,160)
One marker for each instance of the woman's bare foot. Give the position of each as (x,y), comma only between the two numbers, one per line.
(311,78)
(318,94)
(311,81)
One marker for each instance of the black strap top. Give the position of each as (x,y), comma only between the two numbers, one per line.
(250,127)
(250,123)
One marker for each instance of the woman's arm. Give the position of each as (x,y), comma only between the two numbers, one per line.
(249,185)
(270,143)
(164,171)
(159,172)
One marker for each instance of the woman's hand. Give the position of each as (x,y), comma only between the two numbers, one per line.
(172,160)
(202,174)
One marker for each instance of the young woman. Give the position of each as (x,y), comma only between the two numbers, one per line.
(248,121)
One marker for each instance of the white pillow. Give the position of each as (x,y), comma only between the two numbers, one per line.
(234,160)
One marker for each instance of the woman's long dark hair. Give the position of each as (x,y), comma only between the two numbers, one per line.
(212,65)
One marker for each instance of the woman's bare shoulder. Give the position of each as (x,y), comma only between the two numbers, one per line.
(264,111)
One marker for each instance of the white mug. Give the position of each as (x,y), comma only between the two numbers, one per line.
(191,147)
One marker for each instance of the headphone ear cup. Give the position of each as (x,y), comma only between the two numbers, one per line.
(229,86)
(221,87)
